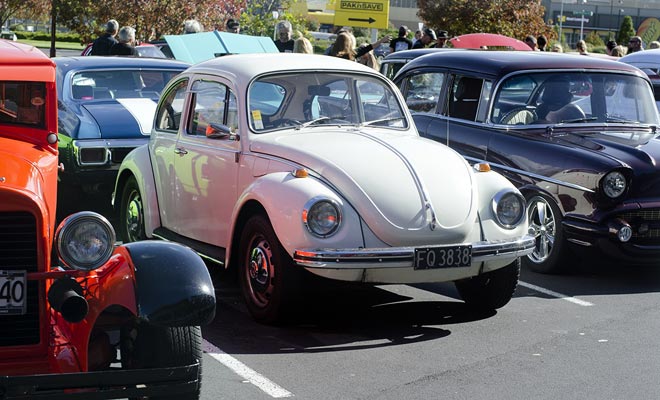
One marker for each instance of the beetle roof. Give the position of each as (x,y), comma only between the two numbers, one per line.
(500,63)
(250,65)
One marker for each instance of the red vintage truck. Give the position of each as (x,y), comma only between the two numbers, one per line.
(80,315)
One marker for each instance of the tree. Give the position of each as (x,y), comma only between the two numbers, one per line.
(514,18)
(150,18)
(626,31)
(25,8)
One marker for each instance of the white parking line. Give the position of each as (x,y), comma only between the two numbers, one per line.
(255,378)
(556,294)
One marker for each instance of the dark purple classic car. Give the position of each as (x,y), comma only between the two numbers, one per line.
(576,135)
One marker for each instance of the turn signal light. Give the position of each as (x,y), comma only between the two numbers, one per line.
(300,173)
(482,167)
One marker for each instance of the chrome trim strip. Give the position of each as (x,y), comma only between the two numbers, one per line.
(532,175)
(403,257)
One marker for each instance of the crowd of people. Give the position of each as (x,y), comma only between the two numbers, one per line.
(121,41)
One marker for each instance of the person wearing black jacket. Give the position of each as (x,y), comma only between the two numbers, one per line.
(126,45)
(103,43)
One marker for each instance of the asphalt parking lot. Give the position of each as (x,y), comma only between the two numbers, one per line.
(589,334)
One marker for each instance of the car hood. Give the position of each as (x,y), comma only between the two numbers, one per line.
(21,166)
(123,118)
(408,190)
(641,156)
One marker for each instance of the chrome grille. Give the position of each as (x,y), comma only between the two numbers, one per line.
(645,224)
(18,250)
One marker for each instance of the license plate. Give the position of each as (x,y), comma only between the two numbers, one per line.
(443,257)
(13,291)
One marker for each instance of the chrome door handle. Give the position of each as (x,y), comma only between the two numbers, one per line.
(180,150)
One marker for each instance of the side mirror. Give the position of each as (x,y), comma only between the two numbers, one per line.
(220,131)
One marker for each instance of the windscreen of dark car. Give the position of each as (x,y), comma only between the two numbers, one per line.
(306,99)
(574,97)
(119,84)
(23,103)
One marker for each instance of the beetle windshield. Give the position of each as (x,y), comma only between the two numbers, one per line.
(574,97)
(22,103)
(309,99)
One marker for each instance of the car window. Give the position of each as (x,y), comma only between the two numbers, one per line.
(465,97)
(292,100)
(214,103)
(168,113)
(119,84)
(574,97)
(422,91)
(390,68)
(22,103)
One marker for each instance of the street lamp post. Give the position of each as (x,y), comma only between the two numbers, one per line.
(561,20)
(276,15)
(582,21)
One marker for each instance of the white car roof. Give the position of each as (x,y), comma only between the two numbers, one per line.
(246,66)
(643,57)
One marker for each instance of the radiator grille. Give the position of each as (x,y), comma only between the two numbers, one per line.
(18,250)
(645,224)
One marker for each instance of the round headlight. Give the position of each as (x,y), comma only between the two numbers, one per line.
(509,208)
(321,217)
(614,184)
(85,241)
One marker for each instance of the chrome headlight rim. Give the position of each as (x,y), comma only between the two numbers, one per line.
(607,189)
(309,208)
(498,198)
(66,232)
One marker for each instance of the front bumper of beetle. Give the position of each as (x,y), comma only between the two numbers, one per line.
(403,257)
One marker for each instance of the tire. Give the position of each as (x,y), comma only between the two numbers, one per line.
(550,253)
(148,346)
(131,213)
(491,290)
(268,279)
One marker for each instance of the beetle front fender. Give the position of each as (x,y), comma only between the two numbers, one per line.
(284,196)
(138,164)
(173,285)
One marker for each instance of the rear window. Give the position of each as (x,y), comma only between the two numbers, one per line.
(23,103)
(119,84)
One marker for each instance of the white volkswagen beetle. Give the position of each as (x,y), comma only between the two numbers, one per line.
(280,163)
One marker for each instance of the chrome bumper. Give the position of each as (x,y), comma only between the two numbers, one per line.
(403,257)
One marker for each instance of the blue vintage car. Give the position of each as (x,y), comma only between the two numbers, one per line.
(106,109)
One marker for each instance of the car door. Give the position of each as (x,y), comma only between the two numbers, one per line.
(162,148)
(206,168)
(458,118)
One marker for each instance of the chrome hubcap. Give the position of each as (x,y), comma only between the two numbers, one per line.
(260,271)
(542,226)
(134,217)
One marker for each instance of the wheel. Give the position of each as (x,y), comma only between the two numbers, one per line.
(131,213)
(268,280)
(550,252)
(148,346)
(491,290)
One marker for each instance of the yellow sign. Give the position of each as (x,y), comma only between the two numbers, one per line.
(365,14)
(649,30)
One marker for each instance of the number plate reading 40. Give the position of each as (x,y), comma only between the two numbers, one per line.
(12,292)
(443,257)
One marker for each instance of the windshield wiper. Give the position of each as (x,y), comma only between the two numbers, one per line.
(378,121)
(620,119)
(572,121)
(312,122)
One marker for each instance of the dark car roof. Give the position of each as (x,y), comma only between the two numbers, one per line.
(410,54)
(68,63)
(500,63)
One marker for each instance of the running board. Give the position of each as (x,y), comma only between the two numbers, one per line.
(206,251)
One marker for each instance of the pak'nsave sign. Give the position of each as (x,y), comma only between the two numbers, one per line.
(366,14)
